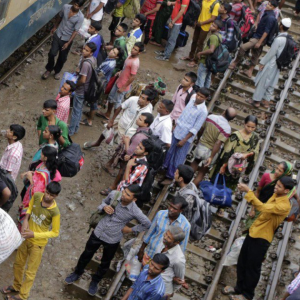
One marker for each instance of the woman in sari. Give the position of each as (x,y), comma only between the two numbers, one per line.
(37,180)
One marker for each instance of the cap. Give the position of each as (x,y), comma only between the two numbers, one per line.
(287,22)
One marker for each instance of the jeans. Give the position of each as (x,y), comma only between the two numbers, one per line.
(76,113)
(203,76)
(295,295)
(56,46)
(115,97)
(91,247)
(172,38)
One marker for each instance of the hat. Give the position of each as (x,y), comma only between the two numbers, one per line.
(286,22)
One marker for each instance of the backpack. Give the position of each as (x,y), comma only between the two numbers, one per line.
(192,13)
(294,212)
(97,216)
(110,6)
(70,160)
(288,53)
(219,60)
(202,218)
(145,195)
(246,22)
(102,52)
(236,38)
(94,90)
(188,97)
(10,183)
(132,9)
(272,34)
(213,5)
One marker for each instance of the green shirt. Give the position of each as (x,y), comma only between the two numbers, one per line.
(43,123)
(213,40)
(120,42)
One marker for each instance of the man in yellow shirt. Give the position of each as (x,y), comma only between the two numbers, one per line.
(41,214)
(260,236)
(209,13)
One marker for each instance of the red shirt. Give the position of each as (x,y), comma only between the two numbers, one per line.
(176,9)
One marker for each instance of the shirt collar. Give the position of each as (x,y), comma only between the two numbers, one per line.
(129,206)
(160,118)
(10,146)
(172,250)
(179,219)
(199,106)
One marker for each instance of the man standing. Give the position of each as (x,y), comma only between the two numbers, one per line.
(95,10)
(175,23)
(150,285)
(214,134)
(187,127)
(260,236)
(258,40)
(64,31)
(268,75)
(209,13)
(109,233)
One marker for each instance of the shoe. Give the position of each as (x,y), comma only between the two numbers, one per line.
(93,288)
(161,57)
(159,52)
(46,75)
(72,278)
(57,76)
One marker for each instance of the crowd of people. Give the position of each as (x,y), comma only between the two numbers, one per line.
(151,145)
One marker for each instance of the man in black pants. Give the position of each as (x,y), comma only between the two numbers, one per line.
(64,31)
(109,232)
(260,236)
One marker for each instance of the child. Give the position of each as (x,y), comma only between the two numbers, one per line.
(51,133)
(49,118)
(42,214)
(126,149)
(63,100)
(12,157)
(136,34)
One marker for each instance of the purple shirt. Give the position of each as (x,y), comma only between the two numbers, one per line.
(136,139)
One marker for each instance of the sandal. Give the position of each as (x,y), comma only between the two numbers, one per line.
(101,115)
(86,123)
(87,145)
(8,290)
(106,191)
(255,104)
(243,72)
(192,64)
(228,290)
(8,297)
(265,104)
(107,170)
(186,58)
(237,297)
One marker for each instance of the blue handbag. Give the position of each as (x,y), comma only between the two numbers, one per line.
(215,193)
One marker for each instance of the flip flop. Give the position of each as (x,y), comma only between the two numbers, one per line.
(87,145)
(265,105)
(243,72)
(191,65)
(237,297)
(86,123)
(8,290)
(101,115)
(12,298)
(106,191)
(186,58)
(228,290)
(253,103)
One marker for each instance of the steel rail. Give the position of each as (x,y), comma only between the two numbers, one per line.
(216,277)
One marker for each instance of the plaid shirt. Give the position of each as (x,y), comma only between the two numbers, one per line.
(295,284)
(136,177)
(226,35)
(12,158)
(236,11)
(107,67)
(63,108)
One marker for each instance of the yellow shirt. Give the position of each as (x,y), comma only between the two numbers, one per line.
(272,214)
(41,218)
(205,13)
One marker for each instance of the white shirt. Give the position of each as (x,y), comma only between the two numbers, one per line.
(94,4)
(162,126)
(131,111)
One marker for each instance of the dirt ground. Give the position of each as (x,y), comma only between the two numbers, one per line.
(21,102)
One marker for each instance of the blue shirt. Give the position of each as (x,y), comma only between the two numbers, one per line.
(190,120)
(159,226)
(97,40)
(144,289)
(107,67)
(266,24)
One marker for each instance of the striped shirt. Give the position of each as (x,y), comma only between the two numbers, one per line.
(295,284)
(159,226)
(63,107)
(227,35)
(144,289)
(236,11)
(107,67)
(12,158)
(109,229)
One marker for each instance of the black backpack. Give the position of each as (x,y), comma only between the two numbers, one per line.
(94,90)
(272,34)
(102,52)
(110,6)
(192,13)
(236,39)
(288,53)
(189,95)
(10,183)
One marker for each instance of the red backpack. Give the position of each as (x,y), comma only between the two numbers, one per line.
(246,22)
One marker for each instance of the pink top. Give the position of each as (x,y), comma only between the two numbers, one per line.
(57,176)
(265,180)
(131,67)
(63,108)
(150,5)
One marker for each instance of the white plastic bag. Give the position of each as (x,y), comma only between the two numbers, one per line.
(10,237)
(84,28)
(109,135)
(135,268)
(234,252)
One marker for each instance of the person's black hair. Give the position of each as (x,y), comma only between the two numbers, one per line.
(228,117)
(149,118)
(179,200)
(252,119)
(135,189)
(287,182)
(79,2)
(192,75)
(161,259)
(96,24)
(202,90)
(284,164)
(55,130)
(53,188)
(227,7)
(120,51)
(92,46)
(142,19)
(148,145)
(51,162)
(219,23)
(274,3)
(72,84)
(50,104)
(284,27)
(124,26)
(186,172)
(169,105)
(18,130)
(140,45)
(150,93)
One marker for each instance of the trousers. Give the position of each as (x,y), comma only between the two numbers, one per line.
(91,247)
(255,53)
(198,41)
(76,113)
(172,39)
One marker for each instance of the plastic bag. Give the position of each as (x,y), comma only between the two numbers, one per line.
(135,269)
(234,252)
(10,237)
(109,135)
(84,28)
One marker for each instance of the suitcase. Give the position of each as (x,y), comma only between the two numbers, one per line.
(182,37)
